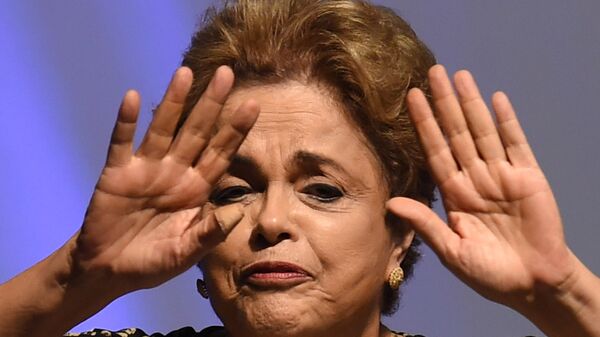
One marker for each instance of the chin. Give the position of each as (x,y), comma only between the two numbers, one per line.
(275,314)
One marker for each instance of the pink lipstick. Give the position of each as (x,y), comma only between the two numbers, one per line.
(274,274)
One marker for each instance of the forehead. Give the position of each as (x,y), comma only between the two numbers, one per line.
(297,117)
(291,106)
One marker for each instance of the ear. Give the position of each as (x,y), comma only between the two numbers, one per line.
(402,236)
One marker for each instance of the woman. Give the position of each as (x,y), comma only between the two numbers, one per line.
(288,211)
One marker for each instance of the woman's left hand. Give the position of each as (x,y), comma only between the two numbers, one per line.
(504,236)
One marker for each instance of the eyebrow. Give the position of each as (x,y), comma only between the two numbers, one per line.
(246,167)
(309,161)
(313,162)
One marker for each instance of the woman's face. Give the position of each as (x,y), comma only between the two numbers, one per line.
(312,251)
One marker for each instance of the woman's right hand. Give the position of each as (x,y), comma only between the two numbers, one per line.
(143,225)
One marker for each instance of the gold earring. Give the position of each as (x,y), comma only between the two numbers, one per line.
(395,278)
(201,287)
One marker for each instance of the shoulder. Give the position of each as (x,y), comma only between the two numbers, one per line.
(404,334)
(212,331)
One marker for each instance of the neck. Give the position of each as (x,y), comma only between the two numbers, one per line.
(360,325)
(381,331)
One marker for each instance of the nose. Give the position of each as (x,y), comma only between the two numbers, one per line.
(273,221)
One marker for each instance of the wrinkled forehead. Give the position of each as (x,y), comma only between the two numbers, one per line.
(292,109)
(289,101)
(296,117)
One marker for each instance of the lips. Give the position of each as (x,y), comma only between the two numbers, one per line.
(274,274)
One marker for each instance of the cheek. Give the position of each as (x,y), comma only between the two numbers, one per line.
(347,243)
(219,265)
(353,250)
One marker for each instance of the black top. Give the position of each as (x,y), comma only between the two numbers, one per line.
(213,331)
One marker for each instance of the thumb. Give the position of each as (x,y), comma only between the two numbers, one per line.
(213,229)
(425,222)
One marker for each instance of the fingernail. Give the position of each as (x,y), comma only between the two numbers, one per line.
(216,79)
(229,216)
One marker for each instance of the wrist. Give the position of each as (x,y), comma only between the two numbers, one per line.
(571,308)
(52,296)
(79,293)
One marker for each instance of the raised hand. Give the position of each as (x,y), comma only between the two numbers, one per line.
(504,236)
(143,224)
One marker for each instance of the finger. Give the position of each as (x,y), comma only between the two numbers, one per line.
(228,217)
(121,140)
(159,136)
(217,156)
(426,223)
(212,230)
(479,120)
(434,144)
(450,113)
(196,131)
(517,148)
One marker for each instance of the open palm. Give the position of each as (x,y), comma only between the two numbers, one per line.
(143,223)
(504,235)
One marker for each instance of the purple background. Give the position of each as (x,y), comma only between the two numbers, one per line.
(64,66)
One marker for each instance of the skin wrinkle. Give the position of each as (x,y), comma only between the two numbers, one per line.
(290,106)
(245,171)
(298,140)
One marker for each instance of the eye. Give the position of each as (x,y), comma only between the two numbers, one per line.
(323,192)
(229,195)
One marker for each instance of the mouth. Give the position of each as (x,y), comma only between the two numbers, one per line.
(274,275)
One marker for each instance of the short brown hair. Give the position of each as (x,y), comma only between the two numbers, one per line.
(366,55)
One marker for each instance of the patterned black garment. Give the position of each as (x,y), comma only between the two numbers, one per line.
(213,331)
